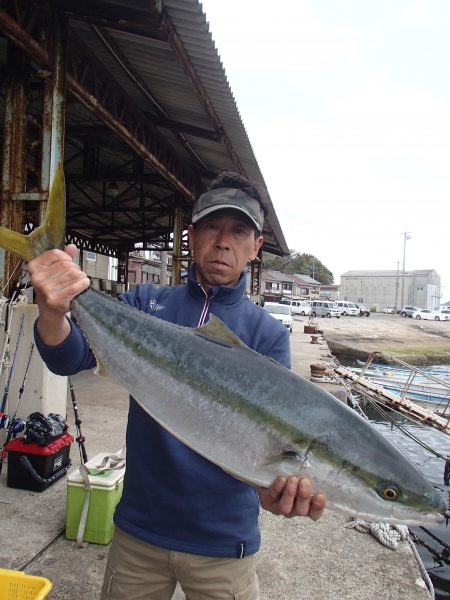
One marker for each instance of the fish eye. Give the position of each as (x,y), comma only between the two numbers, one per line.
(388,491)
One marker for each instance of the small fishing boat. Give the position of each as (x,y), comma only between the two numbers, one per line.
(414,391)
(440,371)
(425,384)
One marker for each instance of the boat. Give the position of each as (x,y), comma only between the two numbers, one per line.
(441,371)
(416,390)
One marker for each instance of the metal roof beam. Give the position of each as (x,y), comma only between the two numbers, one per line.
(127,124)
(163,122)
(115,176)
(143,22)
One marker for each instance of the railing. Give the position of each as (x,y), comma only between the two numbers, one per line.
(411,372)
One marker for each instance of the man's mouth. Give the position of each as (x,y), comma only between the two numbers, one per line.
(219,263)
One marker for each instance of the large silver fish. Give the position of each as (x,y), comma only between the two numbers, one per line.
(242,411)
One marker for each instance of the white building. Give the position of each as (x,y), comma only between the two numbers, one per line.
(380,289)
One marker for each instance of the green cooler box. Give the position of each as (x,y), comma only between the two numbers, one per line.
(106,490)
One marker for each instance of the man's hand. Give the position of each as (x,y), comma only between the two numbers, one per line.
(292,498)
(56,280)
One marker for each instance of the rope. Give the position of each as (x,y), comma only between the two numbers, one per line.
(390,535)
(19,264)
(376,406)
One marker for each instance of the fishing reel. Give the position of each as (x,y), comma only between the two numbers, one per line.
(15,425)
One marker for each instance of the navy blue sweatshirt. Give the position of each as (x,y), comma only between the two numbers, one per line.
(172,497)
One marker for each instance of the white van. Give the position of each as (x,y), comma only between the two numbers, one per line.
(298,307)
(347,308)
(324,308)
(280,312)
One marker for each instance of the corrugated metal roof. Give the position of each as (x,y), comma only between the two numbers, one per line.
(307,279)
(276,276)
(153,67)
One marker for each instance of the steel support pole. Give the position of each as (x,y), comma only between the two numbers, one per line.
(255,277)
(406,237)
(177,255)
(13,166)
(122,268)
(59,40)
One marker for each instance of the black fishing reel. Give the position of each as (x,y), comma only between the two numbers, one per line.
(16,426)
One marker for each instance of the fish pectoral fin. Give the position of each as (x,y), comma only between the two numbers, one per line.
(101,370)
(216,331)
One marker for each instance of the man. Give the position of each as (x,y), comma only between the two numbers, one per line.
(181,518)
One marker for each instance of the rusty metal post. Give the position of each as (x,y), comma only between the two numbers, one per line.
(53,108)
(58,97)
(255,276)
(13,167)
(177,256)
(122,268)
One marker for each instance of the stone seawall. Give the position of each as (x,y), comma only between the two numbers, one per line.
(417,342)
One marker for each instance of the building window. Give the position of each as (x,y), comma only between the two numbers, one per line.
(91,256)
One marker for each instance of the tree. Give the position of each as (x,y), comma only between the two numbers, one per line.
(302,264)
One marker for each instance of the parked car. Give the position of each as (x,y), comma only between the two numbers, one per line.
(298,307)
(363,310)
(280,312)
(408,311)
(389,310)
(431,315)
(347,308)
(324,308)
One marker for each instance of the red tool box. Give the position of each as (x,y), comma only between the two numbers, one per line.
(33,467)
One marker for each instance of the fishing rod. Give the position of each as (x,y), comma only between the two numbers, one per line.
(13,423)
(7,322)
(80,438)
(11,369)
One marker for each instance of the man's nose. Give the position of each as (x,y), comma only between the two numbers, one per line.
(223,238)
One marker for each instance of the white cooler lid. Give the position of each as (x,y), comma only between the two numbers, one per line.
(107,478)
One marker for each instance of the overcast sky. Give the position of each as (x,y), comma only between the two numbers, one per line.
(347,107)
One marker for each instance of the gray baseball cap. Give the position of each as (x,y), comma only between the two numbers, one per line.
(221,198)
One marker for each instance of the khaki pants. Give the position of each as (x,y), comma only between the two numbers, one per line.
(139,571)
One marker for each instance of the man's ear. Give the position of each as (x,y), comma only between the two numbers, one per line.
(257,245)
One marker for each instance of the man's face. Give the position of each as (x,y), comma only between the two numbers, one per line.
(223,243)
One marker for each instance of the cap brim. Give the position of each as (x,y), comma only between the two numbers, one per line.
(212,209)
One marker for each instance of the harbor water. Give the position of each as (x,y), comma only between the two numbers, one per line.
(435,550)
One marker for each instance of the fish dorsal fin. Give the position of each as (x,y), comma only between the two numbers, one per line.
(216,331)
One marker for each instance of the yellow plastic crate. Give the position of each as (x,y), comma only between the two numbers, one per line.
(15,585)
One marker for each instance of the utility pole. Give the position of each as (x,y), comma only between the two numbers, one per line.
(407,236)
(396,287)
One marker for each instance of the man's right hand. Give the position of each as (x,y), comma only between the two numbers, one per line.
(56,280)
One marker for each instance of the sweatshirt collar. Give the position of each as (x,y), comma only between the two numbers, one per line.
(226,293)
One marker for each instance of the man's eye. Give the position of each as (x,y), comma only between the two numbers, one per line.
(241,231)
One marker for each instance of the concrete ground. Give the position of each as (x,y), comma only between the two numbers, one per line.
(299,559)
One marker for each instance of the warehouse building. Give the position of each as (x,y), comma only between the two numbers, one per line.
(380,289)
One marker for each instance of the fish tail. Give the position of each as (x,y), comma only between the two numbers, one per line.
(17,244)
(48,235)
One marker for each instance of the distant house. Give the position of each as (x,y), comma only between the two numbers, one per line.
(276,285)
(389,288)
(329,292)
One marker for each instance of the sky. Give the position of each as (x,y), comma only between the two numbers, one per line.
(347,108)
